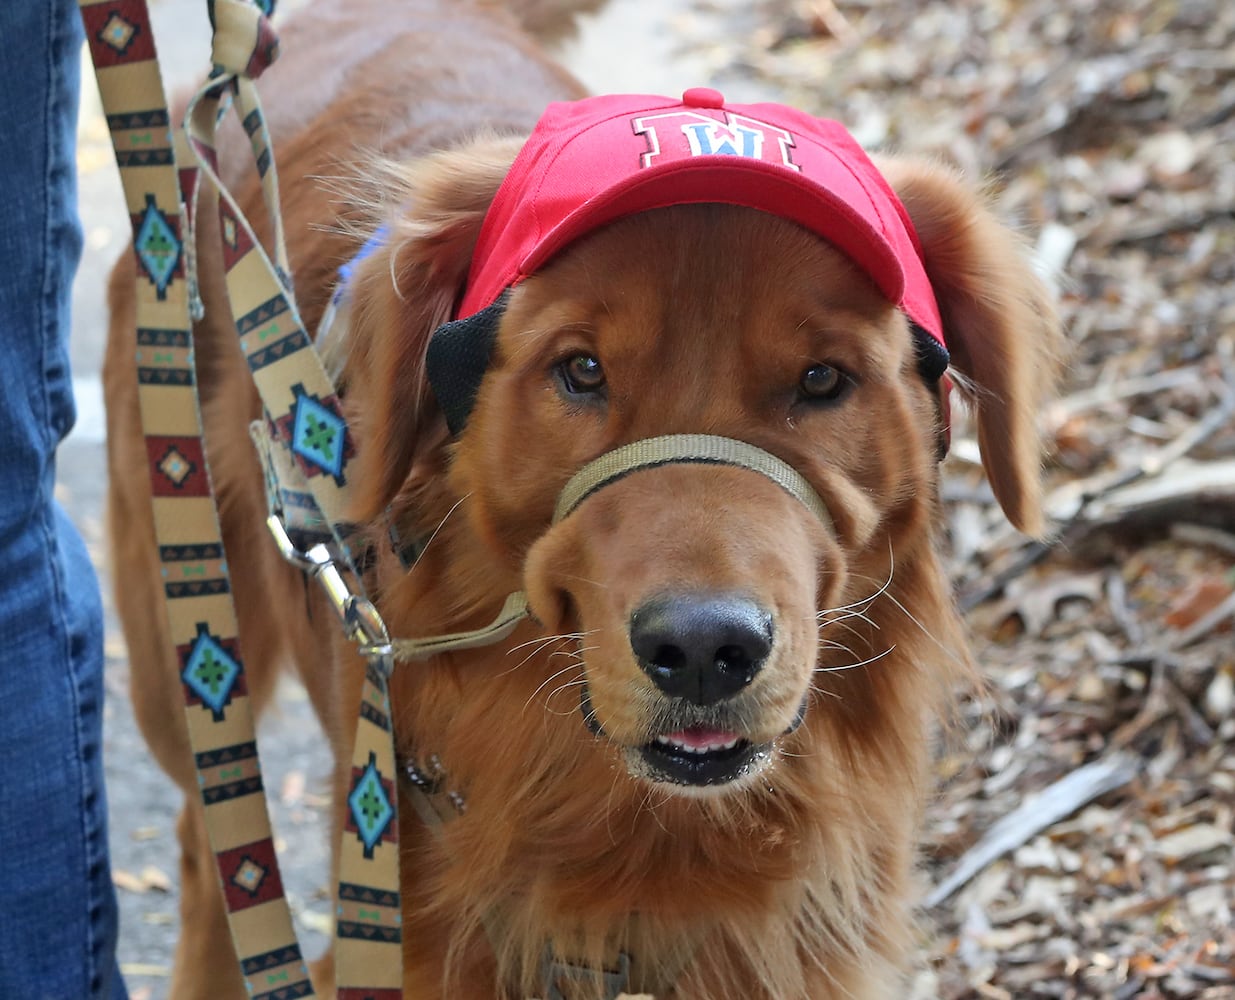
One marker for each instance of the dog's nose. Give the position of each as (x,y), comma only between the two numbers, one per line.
(701,647)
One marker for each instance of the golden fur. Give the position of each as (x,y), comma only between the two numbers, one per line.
(792,883)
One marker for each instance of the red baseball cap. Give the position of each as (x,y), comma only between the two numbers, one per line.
(592,161)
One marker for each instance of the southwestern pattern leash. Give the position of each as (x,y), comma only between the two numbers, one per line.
(309,423)
(200,613)
(304,414)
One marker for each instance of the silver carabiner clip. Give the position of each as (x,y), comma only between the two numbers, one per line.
(361,621)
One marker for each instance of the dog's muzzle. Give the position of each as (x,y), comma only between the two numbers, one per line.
(649,453)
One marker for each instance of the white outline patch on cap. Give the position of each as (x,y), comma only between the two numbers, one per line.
(737,135)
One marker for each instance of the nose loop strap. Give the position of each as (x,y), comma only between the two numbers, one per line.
(675,449)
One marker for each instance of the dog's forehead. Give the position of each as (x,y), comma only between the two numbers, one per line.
(718,264)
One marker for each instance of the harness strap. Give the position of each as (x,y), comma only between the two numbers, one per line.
(200,613)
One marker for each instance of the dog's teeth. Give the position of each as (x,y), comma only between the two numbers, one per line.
(706,748)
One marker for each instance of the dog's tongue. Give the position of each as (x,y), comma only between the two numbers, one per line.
(701,737)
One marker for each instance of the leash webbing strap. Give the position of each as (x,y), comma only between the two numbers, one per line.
(200,613)
(305,416)
(513,611)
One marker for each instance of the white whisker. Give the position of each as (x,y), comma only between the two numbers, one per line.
(561,688)
(550,638)
(845,616)
(548,680)
(854,666)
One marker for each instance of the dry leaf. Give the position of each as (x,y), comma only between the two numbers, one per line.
(1191,842)
(1197,600)
(156,879)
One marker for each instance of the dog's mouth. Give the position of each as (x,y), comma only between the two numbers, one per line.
(700,756)
(695,755)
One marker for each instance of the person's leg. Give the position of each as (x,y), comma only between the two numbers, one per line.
(57,904)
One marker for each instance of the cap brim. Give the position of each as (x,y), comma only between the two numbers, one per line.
(733,180)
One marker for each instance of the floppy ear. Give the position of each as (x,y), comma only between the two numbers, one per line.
(999,322)
(401,293)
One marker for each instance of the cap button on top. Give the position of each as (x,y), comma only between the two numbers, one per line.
(703,97)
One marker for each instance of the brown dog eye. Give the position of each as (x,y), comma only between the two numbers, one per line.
(823,382)
(581,374)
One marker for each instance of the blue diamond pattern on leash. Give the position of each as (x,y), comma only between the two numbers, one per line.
(176,467)
(118,33)
(249,876)
(370,806)
(158,247)
(317,434)
(210,672)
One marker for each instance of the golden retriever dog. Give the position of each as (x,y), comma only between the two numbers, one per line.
(707,748)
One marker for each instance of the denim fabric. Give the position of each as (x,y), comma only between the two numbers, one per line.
(57,905)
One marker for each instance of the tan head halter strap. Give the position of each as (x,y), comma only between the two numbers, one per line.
(677,449)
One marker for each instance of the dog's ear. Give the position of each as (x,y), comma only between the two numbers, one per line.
(999,321)
(401,293)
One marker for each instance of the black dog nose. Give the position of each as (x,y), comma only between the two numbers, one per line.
(701,647)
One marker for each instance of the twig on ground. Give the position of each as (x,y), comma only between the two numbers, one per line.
(1117,600)
(1203,535)
(1057,801)
(1111,392)
(1102,493)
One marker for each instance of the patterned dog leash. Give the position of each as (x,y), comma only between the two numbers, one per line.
(159,186)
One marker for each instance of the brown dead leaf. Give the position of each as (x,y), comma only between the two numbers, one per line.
(156,879)
(1197,600)
(127,881)
(1037,603)
(1193,842)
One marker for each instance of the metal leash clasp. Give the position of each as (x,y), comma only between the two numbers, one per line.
(360,618)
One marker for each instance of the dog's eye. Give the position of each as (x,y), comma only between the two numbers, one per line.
(824,383)
(581,374)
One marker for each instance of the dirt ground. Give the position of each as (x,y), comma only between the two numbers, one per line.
(1081,841)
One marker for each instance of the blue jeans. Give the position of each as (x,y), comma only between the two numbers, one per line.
(57,904)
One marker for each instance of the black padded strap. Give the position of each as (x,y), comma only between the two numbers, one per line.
(933,357)
(457,359)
